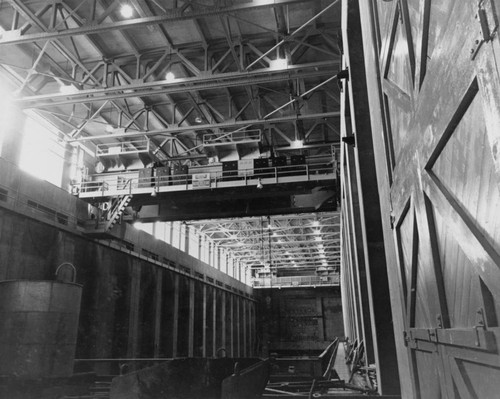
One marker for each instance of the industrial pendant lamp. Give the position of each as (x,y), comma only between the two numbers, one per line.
(126,11)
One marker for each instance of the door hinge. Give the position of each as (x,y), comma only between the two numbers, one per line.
(406,337)
(487,20)
(439,321)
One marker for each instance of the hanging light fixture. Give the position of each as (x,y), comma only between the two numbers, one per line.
(126,11)
(67,89)
(278,63)
(170,77)
(109,128)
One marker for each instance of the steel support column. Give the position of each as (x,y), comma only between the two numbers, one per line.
(231,309)
(238,325)
(369,203)
(214,323)
(354,240)
(245,324)
(134,299)
(224,320)
(158,311)
(175,321)
(204,332)
(191,319)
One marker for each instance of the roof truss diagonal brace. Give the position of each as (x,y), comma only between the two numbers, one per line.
(98,24)
(231,79)
(222,125)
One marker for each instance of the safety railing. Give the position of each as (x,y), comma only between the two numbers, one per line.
(243,137)
(296,281)
(126,147)
(108,184)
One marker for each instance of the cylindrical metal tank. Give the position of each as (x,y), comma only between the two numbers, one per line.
(38,328)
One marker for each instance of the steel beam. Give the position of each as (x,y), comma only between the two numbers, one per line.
(223,125)
(325,215)
(181,85)
(15,37)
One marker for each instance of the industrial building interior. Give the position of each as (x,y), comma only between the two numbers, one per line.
(249,199)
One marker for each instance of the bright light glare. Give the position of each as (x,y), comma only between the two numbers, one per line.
(126,11)
(278,63)
(316,223)
(169,77)
(297,144)
(147,227)
(68,89)
(318,238)
(41,154)
(7,113)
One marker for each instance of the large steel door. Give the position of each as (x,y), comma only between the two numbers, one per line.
(439,64)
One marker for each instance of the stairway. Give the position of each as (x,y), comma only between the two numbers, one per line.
(100,228)
(99,389)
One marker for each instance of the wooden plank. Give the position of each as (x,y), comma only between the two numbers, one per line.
(474,338)
(413,272)
(489,82)
(403,234)
(392,18)
(487,359)
(458,380)
(407,24)
(398,96)
(481,254)
(443,317)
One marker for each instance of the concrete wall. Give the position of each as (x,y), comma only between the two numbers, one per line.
(142,298)
(298,320)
